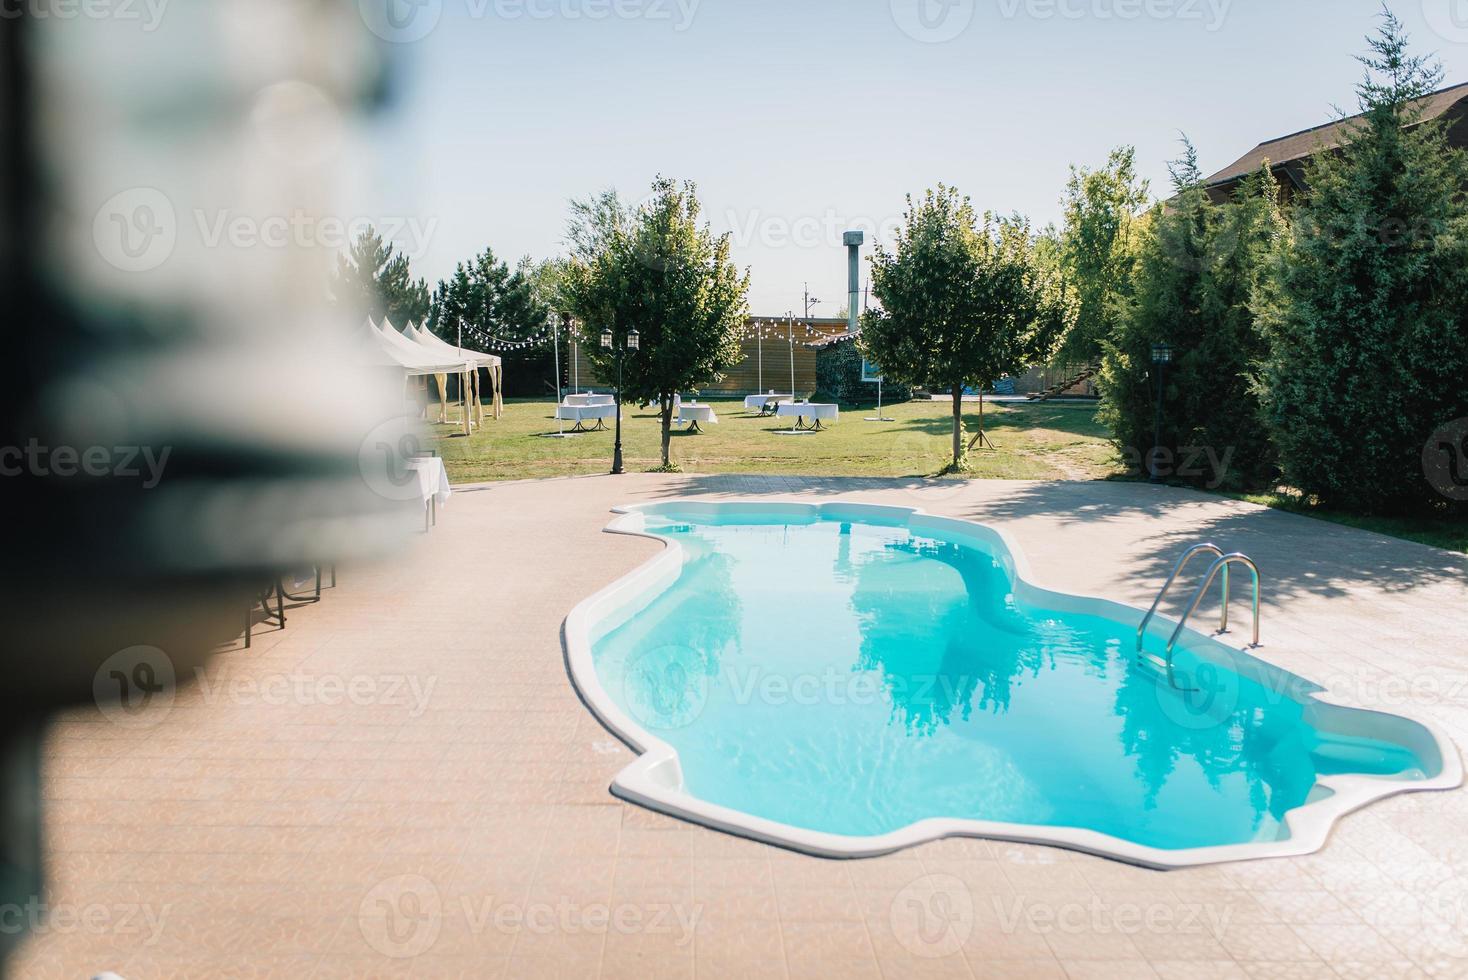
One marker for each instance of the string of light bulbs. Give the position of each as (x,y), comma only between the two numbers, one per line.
(759,329)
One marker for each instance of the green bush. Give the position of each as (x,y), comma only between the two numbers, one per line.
(838,379)
(1199,266)
(1366,312)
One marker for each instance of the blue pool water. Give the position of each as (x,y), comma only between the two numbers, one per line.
(855,678)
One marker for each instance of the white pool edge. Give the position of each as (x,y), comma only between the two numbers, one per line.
(654,779)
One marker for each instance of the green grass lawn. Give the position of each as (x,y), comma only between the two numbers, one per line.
(1450,534)
(1034,442)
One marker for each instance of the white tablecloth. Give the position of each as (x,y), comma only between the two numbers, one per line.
(691,412)
(585,401)
(433,479)
(806,410)
(582,413)
(758,403)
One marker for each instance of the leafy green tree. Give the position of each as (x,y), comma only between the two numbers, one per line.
(962,303)
(1367,316)
(596,220)
(658,271)
(1103,209)
(546,279)
(1198,267)
(374,279)
(492,303)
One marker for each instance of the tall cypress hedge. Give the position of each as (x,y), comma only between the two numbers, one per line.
(1366,313)
(1199,267)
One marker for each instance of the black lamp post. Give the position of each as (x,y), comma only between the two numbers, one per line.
(633,343)
(1161,358)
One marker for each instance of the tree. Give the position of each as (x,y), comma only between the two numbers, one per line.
(595,222)
(375,280)
(1103,210)
(961,303)
(492,303)
(546,279)
(656,270)
(1367,315)
(1198,267)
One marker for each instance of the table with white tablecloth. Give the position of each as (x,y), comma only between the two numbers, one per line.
(588,400)
(766,404)
(800,411)
(433,485)
(581,414)
(692,413)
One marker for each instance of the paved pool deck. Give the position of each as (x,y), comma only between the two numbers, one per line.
(404,783)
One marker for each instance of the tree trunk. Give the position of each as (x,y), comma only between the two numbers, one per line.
(665,404)
(957,426)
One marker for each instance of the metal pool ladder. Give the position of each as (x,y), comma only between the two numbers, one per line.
(1223,564)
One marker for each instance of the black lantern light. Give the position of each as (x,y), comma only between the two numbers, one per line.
(1161,357)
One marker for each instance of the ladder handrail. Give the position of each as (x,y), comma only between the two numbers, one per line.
(1223,564)
(1182,564)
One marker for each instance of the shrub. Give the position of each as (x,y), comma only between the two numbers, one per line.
(1366,313)
(838,379)
(1200,264)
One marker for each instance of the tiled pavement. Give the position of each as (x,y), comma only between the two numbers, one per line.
(404,783)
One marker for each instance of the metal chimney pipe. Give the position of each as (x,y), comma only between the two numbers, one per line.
(854,241)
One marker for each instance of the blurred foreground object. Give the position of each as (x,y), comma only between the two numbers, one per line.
(182,416)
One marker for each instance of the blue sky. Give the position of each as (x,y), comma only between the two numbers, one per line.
(799,118)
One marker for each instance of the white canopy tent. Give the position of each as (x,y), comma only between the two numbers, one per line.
(395,350)
(467,370)
(493,364)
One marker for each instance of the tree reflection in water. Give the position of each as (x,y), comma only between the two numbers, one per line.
(1227,726)
(681,640)
(948,646)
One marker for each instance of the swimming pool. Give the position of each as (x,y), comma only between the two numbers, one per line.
(849,680)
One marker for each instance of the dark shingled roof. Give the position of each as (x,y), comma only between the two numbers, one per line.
(1304,144)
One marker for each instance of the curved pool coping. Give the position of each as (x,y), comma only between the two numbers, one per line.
(655,779)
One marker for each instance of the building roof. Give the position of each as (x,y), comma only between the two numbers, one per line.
(1308,142)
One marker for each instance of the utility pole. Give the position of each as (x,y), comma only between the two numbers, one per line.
(556,326)
(790,322)
(759,346)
